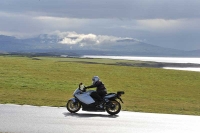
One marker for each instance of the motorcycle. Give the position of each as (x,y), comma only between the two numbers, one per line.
(82,98)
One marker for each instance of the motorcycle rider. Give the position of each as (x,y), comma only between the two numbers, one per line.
(100,89)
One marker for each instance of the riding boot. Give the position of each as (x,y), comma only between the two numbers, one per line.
(99,104)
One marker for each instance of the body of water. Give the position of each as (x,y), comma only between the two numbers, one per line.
(157,59)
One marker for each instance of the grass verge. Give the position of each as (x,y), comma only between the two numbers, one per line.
(51,82)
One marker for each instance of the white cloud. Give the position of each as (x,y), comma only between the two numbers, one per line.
(131,9)
(158,23)
(168,26)
(60,22)
(73,38)
(165,23)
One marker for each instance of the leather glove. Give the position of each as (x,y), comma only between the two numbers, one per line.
(84,89)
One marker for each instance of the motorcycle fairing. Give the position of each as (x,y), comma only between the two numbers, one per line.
(73,99)
(110,95)
(85,97)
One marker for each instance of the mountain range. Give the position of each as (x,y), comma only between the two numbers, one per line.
(53,44)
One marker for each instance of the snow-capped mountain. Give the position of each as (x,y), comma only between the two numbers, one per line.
(86,44)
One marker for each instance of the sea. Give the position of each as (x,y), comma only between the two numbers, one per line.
(194,60)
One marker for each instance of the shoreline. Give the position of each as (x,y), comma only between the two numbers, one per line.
(175,63)
(193,60)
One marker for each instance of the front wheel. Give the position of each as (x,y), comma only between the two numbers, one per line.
(72,106)
(113,108)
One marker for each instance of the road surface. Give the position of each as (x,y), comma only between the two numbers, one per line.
(32,119)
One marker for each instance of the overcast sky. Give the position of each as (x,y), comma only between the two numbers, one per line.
(166,23)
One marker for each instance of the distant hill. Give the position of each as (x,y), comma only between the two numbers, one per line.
(12,44)
(51,44)
(194,53)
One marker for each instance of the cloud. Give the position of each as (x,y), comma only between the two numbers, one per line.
(18,25)
(60,22)
(166,23)
(83,39)
(24,26)
(158,23)
(73,38)
(90,9)
(163,25)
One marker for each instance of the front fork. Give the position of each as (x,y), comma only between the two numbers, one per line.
(75,101)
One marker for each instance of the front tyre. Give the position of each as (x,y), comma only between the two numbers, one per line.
(72,106)
(113,108)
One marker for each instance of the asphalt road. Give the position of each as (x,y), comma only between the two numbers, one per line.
(32,119)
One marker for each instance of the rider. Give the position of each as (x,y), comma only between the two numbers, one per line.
(100,89)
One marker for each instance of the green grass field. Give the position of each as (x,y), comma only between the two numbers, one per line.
(46,81)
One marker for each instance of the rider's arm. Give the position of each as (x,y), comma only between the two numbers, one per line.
(91,86)
(94,85)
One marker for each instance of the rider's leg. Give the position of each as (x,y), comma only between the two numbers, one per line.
(96,96)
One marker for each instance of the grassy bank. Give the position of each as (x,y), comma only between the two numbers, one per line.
(51,82)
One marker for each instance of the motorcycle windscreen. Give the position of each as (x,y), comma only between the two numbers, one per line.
(85,98)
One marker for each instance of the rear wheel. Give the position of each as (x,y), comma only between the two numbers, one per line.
(113,108)
(72,106)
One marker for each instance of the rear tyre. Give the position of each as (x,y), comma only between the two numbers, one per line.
(72,106)
(113,108)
